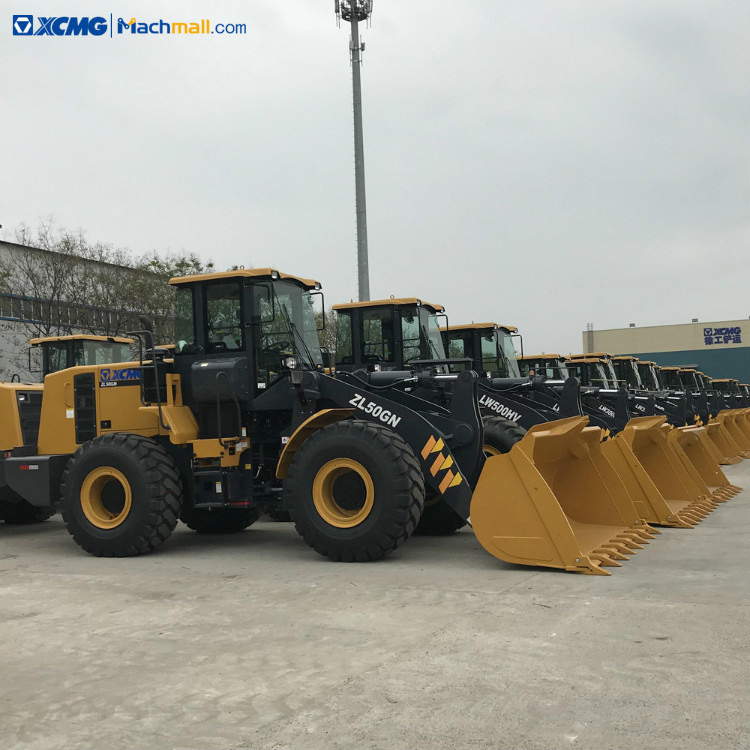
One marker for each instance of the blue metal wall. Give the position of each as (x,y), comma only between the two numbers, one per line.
(716,363)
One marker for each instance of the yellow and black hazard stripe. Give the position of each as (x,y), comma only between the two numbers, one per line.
(443,461)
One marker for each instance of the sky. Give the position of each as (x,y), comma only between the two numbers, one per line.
(544,163)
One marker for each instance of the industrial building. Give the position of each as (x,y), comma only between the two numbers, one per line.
(41,308)
(720,348)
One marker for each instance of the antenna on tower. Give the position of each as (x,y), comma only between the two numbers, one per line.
(354,12)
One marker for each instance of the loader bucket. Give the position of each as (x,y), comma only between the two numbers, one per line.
(743,421)
(648,438)
(726,448)
(555,501)
(730,420)
(695,445)
(649,503)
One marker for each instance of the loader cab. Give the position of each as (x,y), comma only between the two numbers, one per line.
(548,366)
(61,352)
(591,371)
(489,346)
(626,371)
(252,325)
(606,362)
(693,384)
(706,381)
(649,376)
(671,379)
(729,389)
(390,334)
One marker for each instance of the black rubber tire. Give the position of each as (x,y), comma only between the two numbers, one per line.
(398,491)
(501,434)
(218,520)
(439,519)
(24,513)
(155,487)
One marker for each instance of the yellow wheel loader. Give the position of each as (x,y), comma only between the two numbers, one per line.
(243,419)
(60,352)
(20,405)
(545,497)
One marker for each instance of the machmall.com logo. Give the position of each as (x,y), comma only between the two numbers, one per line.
(29,25)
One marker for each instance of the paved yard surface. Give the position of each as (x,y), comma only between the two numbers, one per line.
(254,641)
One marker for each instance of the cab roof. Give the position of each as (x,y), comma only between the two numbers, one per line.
(540,356)
(586,360)
(604,355)
(80,337)
(625,358)
(646,362)
(394,301)
(670,367)
(245,273)
(467,326)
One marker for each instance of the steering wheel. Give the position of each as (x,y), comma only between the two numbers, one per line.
(277,347)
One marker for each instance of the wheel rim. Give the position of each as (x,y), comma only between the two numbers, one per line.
(106,497)
(340,483)
(490,450)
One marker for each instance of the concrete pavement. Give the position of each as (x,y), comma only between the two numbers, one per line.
(254,641)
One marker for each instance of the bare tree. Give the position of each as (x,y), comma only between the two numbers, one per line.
(150,292)
(39,280)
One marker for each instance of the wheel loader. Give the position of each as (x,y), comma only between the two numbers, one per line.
(641,378)
(375,339)
(641,450)
(550,383)
(402,336)
(60,352)
(243,418)
(23,402)
(729,410)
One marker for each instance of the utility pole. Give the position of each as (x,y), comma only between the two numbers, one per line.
(355,11)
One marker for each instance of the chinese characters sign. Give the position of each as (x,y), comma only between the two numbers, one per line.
(713,336)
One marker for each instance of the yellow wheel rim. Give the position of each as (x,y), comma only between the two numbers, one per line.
(490,450)
(106,497)
(325,495)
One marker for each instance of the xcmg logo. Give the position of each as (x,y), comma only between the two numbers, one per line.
(126,376)
(23,25)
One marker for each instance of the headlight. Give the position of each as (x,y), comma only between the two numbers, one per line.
(290,362)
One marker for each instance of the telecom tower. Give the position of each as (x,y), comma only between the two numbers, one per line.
(354,11)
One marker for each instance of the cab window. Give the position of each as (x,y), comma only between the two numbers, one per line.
(377,335)
(57,357)
(459,347)
(490,360)
(224,317)
(184,322)
(344,353)
(410,335)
